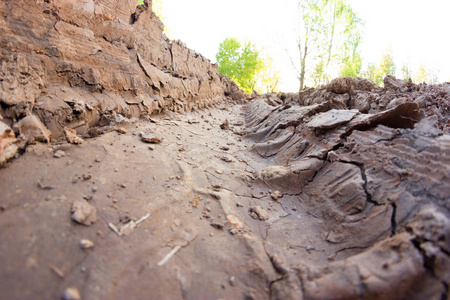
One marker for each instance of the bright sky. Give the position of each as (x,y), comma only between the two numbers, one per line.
(417,30)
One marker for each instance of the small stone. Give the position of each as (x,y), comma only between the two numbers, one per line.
(152,148)
(239,204)
(122,130)
(232,280)
(233,231)
(219,171)
(71,294)
(59,154)
(226,159)
(97,159)
(234,222)
(276,195)
(71,136)
(87,197)
(122,185)
(217,187)
(217,225)
(83,212)
(148,137)
(225,125)
(86,244)
(257,212)
(224,148)
(87,176)
(94,189)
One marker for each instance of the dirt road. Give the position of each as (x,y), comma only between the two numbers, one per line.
(189,184)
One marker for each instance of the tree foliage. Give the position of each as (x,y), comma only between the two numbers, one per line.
(426,75)
(329,38)
(239,62)
(268,79)
(406,72)
(385,67)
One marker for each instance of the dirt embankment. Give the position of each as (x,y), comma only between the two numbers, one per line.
(340,192)
(79,64)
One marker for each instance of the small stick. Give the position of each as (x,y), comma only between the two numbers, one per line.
(169,255)
(114,228)
(142,219)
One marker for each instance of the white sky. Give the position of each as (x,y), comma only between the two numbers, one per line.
(417,30)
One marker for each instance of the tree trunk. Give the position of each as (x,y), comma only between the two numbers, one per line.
(303,62)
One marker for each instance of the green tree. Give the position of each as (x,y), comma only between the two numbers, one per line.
(351,65)
(268,79)
(430,76)
(333,30)
(406,72)
(421,75)
(387,65)
(373,73)
(350,57)
(241,63)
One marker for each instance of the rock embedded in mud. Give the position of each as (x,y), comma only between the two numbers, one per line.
(71,136)
(83,212)
(31,129)
(149,137)
(234,222)
(86,244)
(71,294)
(227,158)
(257,212)
(225,125)
(276,196)
(59,154)
(8,143)
(122,130)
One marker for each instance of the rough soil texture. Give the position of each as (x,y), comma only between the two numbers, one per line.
(133,170)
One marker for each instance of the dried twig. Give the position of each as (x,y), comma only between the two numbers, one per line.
(169,255)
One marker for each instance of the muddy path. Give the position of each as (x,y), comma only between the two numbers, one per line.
(189,185)
(242,202)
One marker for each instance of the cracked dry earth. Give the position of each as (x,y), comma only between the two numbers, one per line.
(251,201)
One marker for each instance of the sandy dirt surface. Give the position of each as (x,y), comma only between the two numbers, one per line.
(189,184)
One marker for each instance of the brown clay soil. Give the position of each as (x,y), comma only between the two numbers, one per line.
(197,177)
(216,220)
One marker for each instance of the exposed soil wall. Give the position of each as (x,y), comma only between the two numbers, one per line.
(76,63)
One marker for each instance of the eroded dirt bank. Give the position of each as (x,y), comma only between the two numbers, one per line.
(133,169)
